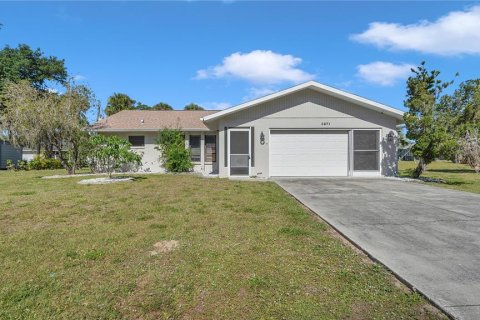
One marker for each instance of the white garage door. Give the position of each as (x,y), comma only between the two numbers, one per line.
(305,153)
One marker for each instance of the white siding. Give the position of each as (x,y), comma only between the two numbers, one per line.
(306,109)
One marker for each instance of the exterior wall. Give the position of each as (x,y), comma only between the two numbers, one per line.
(307,109)
(28,154)
(8,152)
(151,157)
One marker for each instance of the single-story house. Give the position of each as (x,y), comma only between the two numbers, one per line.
(308,130)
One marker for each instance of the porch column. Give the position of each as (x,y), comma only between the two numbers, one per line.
(187,142)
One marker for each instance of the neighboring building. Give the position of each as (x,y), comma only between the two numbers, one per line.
(9,152)
(307,130)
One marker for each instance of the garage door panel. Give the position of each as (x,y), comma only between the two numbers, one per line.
(308,153)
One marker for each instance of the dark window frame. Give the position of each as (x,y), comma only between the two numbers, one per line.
(214,153)
(192,156)
(137,143)
(376,151)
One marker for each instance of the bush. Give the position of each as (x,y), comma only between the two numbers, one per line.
(40,162)
(110,153)
(175,157)
(10,165)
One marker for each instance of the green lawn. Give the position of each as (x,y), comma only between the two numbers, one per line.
(456,176)
(246,250)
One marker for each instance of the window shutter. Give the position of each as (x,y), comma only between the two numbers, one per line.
(252,146)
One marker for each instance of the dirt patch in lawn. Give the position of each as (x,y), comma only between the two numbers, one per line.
(105,180)
(164,247)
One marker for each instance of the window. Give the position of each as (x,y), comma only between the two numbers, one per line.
(366,150)
(210,148)
(194,142)
(137,141)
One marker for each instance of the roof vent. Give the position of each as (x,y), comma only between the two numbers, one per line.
(142,121)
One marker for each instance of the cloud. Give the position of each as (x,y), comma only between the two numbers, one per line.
(383,73)
(453,34)
(263,67)
(254,93)
(79,77)
(216,105)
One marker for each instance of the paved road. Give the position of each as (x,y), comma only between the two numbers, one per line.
(429,236)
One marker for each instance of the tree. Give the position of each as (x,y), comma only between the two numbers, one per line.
(23,63)
(118,102)
(193,106)
(175,157)
(466,106)
(142,106)
(110,153)
(470,150)
(41,118)
(425,121)
(162,106)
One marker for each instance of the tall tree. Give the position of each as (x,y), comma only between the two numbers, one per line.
(466,104)
(36,117)
(23,63)
(162,106)
(424,120)
(193,106)
(142,106)
(118,102)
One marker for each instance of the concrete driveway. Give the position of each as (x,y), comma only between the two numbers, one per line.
(429,236)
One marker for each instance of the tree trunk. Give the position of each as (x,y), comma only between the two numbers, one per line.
(421,167)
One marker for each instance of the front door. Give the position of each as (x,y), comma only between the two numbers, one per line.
(239,152)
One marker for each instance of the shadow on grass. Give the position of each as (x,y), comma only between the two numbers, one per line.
(134,178)
(452,170)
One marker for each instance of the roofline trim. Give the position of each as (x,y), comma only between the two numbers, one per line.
(367,103)
(148,130)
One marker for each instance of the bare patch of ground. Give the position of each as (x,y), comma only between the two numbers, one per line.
(164,247)
(105,180)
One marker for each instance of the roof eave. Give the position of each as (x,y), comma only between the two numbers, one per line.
(145,129)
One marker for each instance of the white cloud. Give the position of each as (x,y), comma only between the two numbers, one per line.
(384,73)
(79,77)
(216,105)
(260,67)
(254,93)
(455,33)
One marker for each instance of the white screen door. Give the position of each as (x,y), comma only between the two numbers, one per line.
(239,152)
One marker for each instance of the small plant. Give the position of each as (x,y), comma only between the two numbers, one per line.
(23,165)
(10,165)
(110,153)
(175,157)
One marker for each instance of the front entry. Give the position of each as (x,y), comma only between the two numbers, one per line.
(239,152)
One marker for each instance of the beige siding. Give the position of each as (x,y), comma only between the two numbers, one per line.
(306,109)
(151,157)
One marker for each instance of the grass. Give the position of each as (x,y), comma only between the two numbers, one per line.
(456,176)
(246,251)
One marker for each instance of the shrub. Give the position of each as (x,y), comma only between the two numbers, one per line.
(10,165)
(175,157)
(23,165)
(110,153)
(40,162)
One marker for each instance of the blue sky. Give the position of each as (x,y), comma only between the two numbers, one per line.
(219,54)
